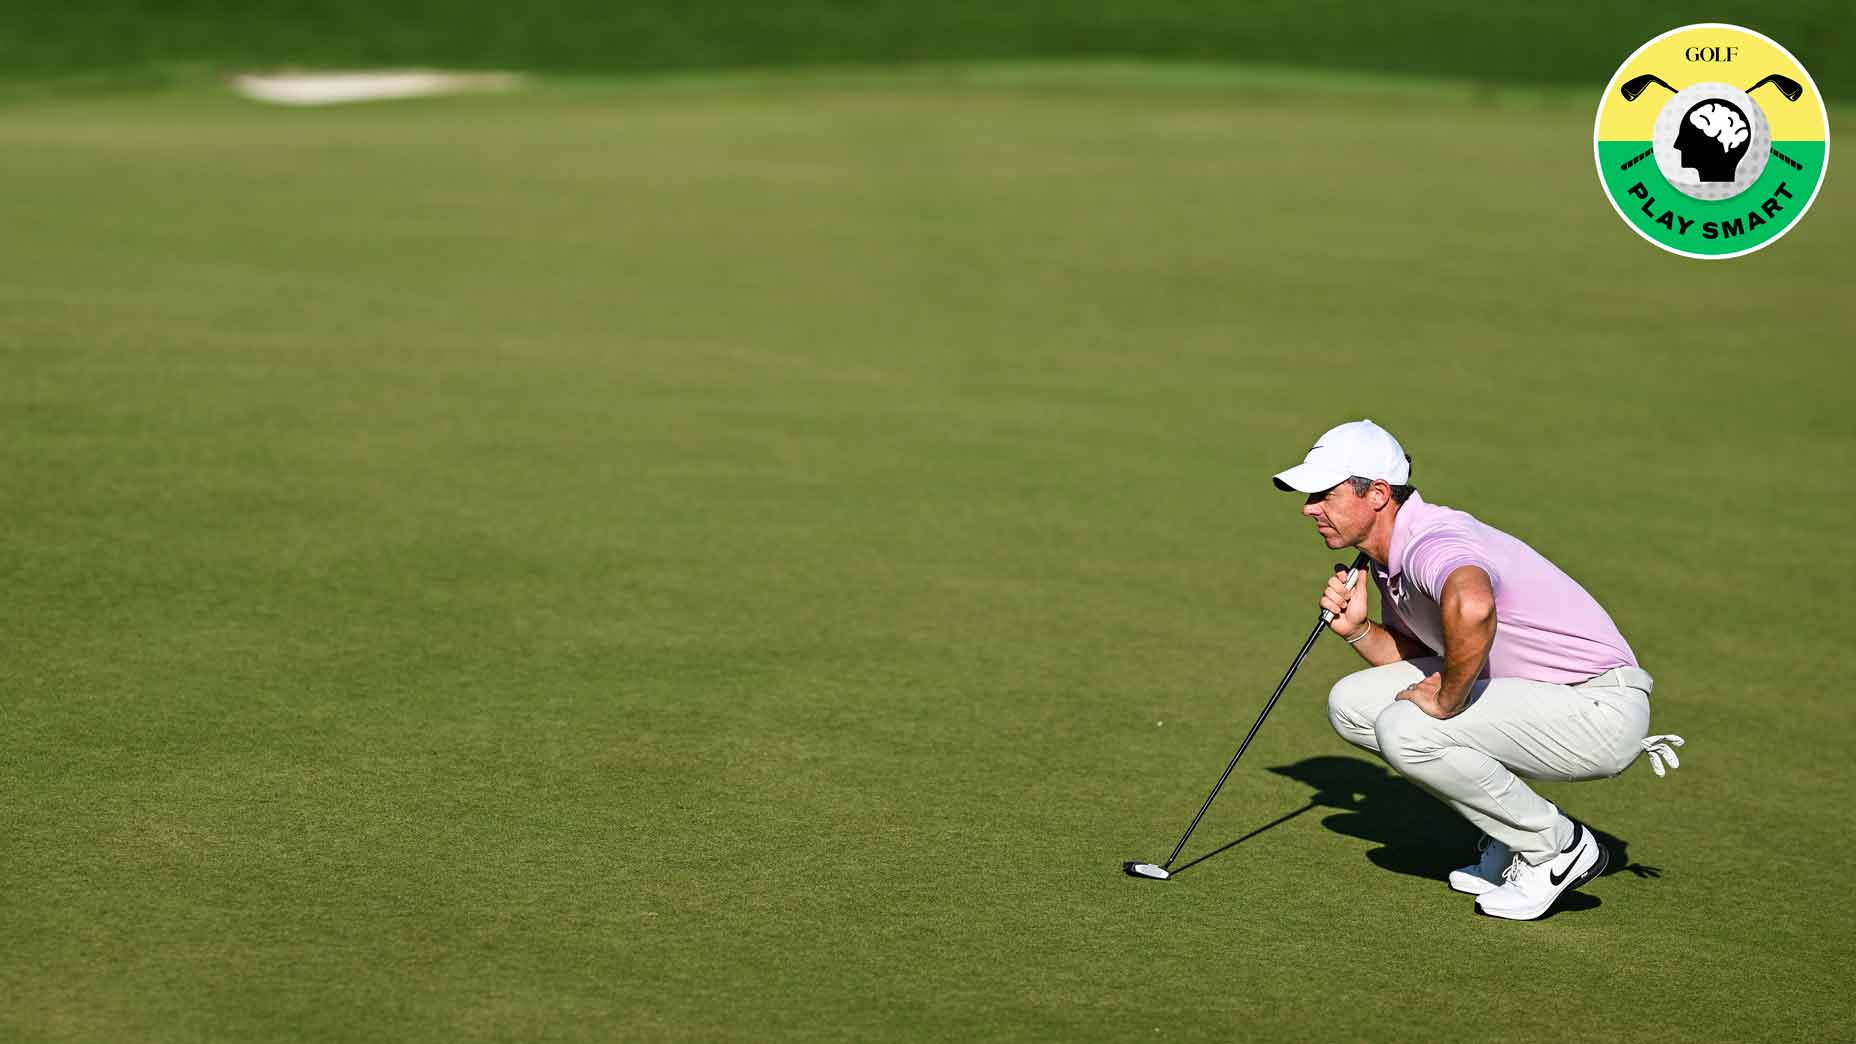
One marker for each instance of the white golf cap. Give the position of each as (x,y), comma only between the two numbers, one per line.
(1359,448)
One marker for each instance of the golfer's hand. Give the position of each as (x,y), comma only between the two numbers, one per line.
(1424,695)
(1348,607)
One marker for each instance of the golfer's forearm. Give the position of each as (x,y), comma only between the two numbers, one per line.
(1379,647)
(1462,664)
(1468,620)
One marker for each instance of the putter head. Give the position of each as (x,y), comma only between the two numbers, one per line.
(1147,870)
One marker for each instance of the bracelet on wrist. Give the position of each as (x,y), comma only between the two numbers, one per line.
(1366,628)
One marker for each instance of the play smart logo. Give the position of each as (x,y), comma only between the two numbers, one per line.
(1711,141)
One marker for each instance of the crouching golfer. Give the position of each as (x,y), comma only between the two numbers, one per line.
(1488,664)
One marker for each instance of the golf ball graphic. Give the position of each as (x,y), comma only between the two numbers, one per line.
(1712,141)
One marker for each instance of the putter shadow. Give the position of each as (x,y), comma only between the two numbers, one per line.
(1228,845)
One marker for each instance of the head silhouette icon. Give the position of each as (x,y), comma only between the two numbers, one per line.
(1715,134)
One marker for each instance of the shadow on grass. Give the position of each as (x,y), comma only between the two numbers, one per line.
(1228,845)
(1416,834)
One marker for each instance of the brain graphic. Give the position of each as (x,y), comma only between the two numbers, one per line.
(1722,124)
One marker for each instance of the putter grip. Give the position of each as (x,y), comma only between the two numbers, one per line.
(1353,576)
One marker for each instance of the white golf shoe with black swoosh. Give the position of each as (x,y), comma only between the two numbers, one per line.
(1528,891)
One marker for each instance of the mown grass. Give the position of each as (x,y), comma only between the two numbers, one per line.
(750,562)
(121,43)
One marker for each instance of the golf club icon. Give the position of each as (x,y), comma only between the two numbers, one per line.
(1634,87)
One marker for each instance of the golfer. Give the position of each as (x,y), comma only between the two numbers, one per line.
(1487,664)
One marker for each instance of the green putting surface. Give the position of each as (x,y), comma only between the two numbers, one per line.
(750,562)
(101,44)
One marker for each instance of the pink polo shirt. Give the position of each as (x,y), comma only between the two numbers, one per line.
(1547,628)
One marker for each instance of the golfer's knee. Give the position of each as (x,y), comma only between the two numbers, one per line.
(1403,733)
(1353,703)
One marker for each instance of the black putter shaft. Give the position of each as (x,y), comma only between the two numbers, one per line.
(1359,563)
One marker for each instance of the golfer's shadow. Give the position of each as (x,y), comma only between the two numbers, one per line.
(1416,833)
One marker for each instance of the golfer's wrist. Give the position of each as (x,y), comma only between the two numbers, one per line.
(1357,634)
(1448,706)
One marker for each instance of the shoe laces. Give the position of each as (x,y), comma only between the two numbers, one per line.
(1513,872)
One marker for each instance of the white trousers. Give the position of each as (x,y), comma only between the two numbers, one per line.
(1512,728)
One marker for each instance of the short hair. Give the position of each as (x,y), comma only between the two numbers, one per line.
(1361,485)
